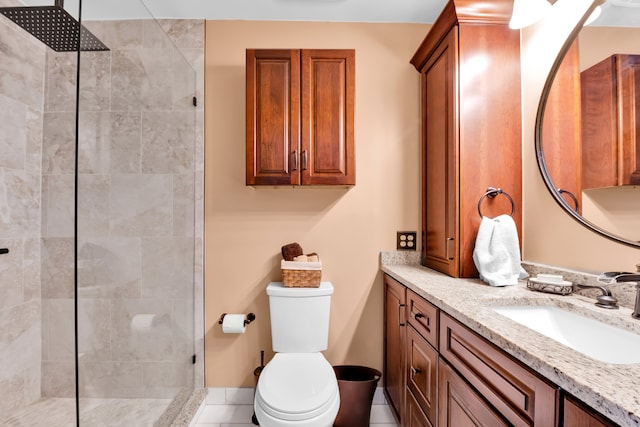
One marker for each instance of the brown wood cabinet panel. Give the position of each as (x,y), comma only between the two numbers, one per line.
(272,125)
(300,117)
(471,132)
(394,345)
(610,122)
(422,373)
(577,414)
(461,406)
(423,316)
(516,392)
(439,147)
(414,416)
(562,130)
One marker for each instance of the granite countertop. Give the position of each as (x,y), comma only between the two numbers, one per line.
(613,390)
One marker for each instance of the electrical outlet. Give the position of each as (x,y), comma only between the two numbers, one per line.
(407,241)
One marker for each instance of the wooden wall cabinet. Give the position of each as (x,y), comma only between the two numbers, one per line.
(394,345)
(611,122)
(300,117)
(471,128)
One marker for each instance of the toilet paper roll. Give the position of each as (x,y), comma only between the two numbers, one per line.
(233,324)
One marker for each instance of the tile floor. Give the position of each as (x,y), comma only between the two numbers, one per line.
(233,407)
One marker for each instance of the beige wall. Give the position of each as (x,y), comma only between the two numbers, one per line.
(245,227)
(550,235)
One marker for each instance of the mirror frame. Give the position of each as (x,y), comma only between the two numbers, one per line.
(542,166)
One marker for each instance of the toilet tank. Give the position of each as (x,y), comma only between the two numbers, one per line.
(299,317)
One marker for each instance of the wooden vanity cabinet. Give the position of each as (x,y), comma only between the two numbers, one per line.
(577,414)
(469,64)
(300,117)
(394,345)
(438,372)
(611,122)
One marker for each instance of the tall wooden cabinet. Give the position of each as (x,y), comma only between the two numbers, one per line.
(611,122)
(471,128)
(562,130)
(300,117)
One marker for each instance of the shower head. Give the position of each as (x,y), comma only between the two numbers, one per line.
(55,27)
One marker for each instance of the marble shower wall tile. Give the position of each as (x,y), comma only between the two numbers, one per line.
(110,267)
(19,203)
(141,79)
(22,75)
(141,162)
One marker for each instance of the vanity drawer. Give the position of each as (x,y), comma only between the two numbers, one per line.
(517,393)
(423,316)
(422,373)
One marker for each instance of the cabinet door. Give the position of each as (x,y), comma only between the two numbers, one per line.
(461,405)
(394,348)
(273,117)
(422,373)
(439,147)
(576,414)
(328,94)
(561,129)
(414,417)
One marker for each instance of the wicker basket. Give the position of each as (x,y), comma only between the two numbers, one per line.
(301,274)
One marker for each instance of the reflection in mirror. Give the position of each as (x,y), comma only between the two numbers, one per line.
(589,140)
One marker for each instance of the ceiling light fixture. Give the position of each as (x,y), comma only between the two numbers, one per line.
(528,12)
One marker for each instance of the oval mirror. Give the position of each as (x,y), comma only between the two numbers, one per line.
(588,131)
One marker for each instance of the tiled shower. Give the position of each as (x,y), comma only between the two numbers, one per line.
(135,250)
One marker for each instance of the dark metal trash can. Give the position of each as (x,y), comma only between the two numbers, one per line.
(356,384)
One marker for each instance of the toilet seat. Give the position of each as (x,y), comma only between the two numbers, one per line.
(297,387)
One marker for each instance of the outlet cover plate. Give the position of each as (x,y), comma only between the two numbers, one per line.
(407,241)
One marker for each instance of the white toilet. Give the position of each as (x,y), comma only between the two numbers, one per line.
(298,387)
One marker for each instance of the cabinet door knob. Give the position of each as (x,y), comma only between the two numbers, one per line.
(415,371)
(295,160)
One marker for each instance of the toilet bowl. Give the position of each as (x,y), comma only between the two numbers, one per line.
(297,389)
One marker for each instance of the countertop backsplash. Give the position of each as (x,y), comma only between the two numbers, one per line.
(624,292)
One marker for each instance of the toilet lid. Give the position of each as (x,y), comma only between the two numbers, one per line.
(296,386)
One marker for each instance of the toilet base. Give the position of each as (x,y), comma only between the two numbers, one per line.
(323,420)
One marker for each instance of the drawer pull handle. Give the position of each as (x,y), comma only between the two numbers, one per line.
(419,316)
(415,371)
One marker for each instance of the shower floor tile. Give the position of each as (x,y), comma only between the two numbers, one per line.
(93,413)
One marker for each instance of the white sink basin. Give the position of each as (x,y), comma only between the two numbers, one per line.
(595,339)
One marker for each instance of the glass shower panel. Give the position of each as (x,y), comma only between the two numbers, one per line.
(135,227)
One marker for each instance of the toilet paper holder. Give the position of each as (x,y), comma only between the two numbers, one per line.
(250,318)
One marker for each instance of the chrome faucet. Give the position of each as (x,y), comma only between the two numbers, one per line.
(620,277)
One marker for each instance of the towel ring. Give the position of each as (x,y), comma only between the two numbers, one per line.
(571,196)
(493,192)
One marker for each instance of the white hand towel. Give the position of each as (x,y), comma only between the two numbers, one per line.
(497,251)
